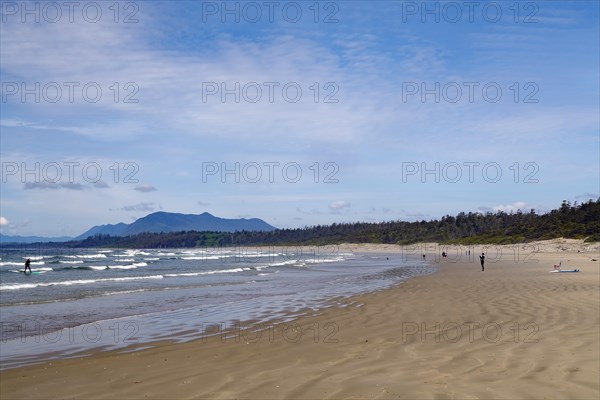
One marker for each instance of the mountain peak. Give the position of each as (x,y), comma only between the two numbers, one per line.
(162,221)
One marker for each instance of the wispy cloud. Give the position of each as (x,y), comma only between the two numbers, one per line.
(338,205)
(53,186)
(140,207)
(145,188)
(517,205)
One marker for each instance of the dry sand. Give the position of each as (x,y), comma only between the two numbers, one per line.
(514,331)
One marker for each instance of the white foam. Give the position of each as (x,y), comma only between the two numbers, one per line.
(251,255)
(219,271)
(324,260)
(87,256)
(137,252)
(75,282)
(203,258)
(21,263)
(128,266)
(279,264)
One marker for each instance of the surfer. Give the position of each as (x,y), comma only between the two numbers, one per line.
(27,265)
(482,260)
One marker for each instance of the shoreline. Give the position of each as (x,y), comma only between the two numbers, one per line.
(513,331)
(33,342)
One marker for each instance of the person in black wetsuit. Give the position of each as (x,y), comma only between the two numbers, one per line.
(482,260)
(27,265)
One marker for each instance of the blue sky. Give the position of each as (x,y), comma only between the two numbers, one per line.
(389,90)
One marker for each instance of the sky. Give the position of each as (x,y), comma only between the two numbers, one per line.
(299,113)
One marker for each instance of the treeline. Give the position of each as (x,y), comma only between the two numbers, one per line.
(578,221)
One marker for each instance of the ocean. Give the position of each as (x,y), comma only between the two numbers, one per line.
(80,300)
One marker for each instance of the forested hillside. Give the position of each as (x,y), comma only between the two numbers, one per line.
(580,221)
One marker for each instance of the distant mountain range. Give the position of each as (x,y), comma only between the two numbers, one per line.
(156,223)
(171,222)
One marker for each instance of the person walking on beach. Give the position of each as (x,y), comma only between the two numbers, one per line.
(27,265)
(482,260)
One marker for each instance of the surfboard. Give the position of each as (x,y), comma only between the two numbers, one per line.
(30,272)
(565,270)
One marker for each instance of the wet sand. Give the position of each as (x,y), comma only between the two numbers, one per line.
(514,331)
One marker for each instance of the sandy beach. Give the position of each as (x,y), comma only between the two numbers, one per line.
(513,331)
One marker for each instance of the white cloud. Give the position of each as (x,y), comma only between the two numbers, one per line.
(171,84)
(3,221)
(337,205)
(53,186)
(145,188)
(518,205)
(140,207)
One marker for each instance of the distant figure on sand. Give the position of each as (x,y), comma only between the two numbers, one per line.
(482,260)
(27,265)
(558,266)
(423,257)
